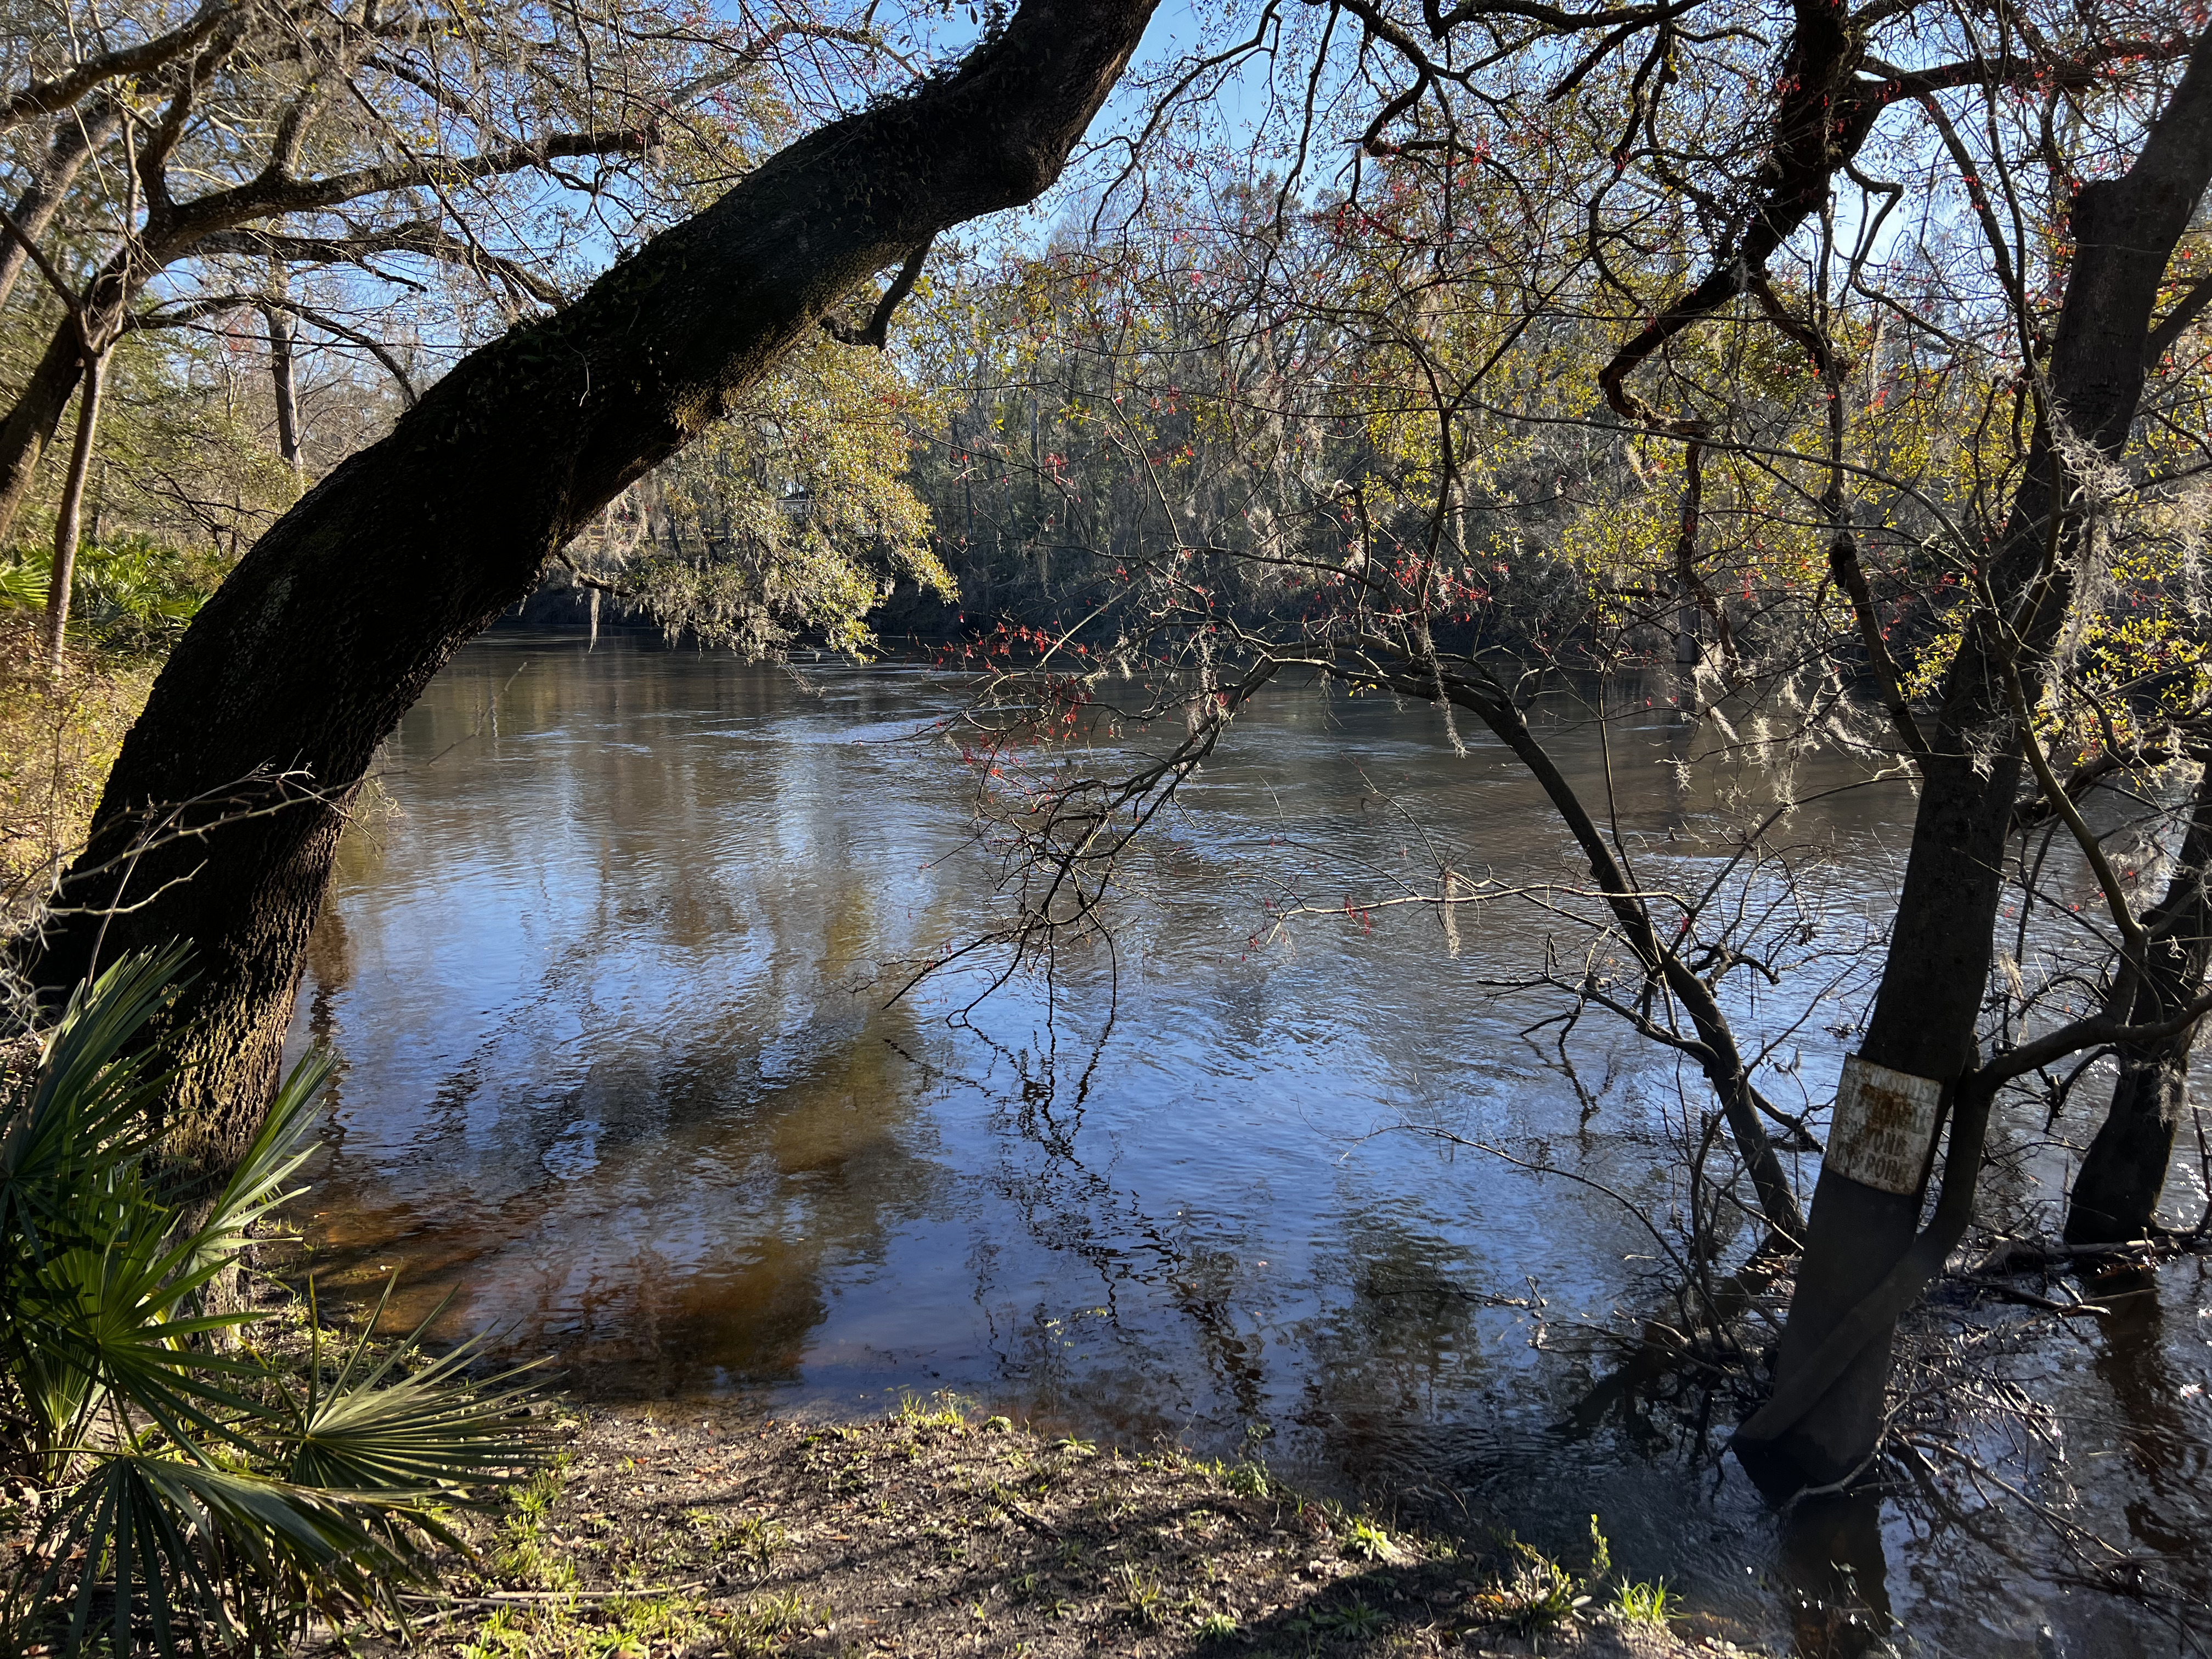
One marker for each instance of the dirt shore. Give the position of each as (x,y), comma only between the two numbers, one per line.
(678,1535)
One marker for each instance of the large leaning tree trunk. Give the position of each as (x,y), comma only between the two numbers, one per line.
(1921,1039)
(2116,1193)
(224,807)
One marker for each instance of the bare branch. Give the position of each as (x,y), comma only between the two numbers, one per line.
(59,92)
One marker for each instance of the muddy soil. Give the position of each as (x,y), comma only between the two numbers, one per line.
(686,1535)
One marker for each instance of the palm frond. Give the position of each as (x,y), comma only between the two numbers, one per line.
(213,1491)
(86,1114)
(175,1534)
(282,1145)
(378,1425)
(23,585)
(102,1329)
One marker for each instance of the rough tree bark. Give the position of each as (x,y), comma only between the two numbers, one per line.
(2116,1193)
(1937,967)
(329,628)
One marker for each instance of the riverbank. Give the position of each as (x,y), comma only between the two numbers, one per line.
(676,1533)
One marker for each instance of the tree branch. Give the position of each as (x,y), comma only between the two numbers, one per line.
(199,311)
(59,92)
(421,238)
(2176,322)
(876,333)
(271,192)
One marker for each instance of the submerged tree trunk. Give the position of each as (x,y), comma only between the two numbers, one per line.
(224,807)
(2116,1191)
(1923,1024)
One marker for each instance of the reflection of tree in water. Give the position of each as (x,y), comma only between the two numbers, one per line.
(1396,1343)
(1402,1335)
(693,1258)
(1835,1578)
(2131,1438)
(655,1122)
(1213,1285)
(329,970)
(2166,1449)
(1050,1351)
(1105,1362)
(1403,1345)
(659,1215)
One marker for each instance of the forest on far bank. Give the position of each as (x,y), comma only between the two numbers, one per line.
(1297,329)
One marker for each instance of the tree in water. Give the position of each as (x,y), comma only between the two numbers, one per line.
(1379,587)
(2117,1190)
(1864,1262)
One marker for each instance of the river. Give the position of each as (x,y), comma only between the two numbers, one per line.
(609,964)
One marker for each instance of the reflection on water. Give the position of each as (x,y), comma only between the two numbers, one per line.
(1835,1574)
(607,969)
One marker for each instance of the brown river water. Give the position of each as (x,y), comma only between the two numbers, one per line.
(609,970)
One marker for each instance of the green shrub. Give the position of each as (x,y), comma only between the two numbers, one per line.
(193,1487)
(130,592)
(1536,1591)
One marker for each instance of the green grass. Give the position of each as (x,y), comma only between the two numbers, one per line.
(625,1628)
(520,1556)
(1365,1541)
(1142,1599)
(1537,1592)
(767,1618)
(1354,1618)
(949,1415)
(1643,1604)
(748,1541)
(1248,1480)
